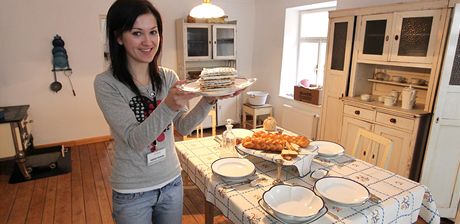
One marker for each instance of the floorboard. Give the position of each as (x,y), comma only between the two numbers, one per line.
(82,196)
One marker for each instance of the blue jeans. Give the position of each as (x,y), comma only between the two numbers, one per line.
(162,205)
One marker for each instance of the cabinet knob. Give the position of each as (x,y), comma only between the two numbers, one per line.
(387,38)
(357,112)
(396,37)
(393,120)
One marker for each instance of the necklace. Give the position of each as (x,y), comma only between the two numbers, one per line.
(150,93)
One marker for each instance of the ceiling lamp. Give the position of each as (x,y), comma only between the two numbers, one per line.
(206,11)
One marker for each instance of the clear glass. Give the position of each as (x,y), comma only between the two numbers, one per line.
(314,24)
(455,76)
(415,36)
(197,42)
(338,45)
(308,60)
(374,37)
(321,63)
(225,42)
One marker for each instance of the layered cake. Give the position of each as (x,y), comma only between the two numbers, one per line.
(217,79)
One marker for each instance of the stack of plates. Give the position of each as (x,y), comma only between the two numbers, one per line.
(328,149)
(293,204)
(233,169)
(342,191)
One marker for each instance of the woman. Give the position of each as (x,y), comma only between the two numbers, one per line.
(140,101)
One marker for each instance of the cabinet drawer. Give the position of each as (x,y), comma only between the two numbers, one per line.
(395,121)
(359,112)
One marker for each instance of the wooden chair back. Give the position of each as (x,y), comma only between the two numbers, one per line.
(372,148)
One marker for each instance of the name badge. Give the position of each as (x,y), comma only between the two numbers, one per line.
(155,157)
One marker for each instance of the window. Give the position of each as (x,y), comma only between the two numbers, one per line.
(304,47)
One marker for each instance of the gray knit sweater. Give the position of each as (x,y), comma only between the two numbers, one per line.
(134,127)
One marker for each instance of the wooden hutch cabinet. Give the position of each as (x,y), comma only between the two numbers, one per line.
(405,41)
(208,45)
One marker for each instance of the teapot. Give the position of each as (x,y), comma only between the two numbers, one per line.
(408,98)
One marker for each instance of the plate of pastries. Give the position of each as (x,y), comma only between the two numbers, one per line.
(288,146)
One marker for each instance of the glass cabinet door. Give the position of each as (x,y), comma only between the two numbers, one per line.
(339,44)
(224,43)
(375,36)
(415,35)
(198,42)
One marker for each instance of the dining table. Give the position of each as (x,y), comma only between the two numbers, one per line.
(401,200)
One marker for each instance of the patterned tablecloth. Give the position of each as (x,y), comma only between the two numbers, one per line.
(403,200)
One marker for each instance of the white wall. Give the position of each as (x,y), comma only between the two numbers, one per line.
(27,29)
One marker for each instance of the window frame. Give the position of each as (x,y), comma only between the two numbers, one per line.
(285,72)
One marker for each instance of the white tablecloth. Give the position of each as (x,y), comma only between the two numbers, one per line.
(403,199)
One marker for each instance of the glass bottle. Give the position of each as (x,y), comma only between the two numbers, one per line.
(228,141)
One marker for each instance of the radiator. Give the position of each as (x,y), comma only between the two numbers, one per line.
(300,121)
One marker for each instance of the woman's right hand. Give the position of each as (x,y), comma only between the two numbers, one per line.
(177,99)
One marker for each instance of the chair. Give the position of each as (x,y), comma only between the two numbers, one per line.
(199,128)
(372,148)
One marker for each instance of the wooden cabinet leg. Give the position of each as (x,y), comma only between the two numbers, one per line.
(208,213)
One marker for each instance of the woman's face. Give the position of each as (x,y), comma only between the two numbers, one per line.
(141,42)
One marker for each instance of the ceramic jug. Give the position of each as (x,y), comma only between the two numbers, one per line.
(408,98)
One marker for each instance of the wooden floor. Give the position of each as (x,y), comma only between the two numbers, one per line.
(82,196)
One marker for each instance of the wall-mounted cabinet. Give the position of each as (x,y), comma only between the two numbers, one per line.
(410,36)
(204,45)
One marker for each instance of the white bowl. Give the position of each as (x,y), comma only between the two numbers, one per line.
(257,98)
(293,203)
(365,97)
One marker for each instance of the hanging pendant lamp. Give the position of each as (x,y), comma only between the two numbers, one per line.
(206,10)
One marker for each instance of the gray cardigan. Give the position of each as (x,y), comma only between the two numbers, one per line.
(133,138)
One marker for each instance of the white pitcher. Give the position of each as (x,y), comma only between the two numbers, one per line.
(408,98)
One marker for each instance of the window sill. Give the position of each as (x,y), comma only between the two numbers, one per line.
(300,103)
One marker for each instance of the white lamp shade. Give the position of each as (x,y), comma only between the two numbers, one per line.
(206,10)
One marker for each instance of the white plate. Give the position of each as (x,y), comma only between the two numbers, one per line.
(342,191)
(240,83)
(233,168)
(242,133)
(328,149)
(293,203)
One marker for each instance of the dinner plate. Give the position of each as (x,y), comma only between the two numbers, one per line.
(240,83)
(233,168)
(343,191)
(328,149)
(241,132)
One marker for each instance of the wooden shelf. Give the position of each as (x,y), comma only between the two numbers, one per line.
(397,84)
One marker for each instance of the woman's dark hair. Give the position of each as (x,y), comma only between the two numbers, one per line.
(120,18)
